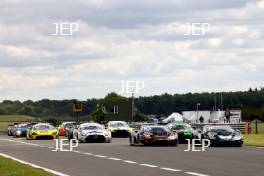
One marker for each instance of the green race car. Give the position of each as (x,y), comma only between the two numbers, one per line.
(184,131)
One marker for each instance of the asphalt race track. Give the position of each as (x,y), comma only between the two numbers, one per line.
(120,159)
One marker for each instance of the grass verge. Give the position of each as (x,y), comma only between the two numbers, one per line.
(15,118)
(9,167)
(254,140)
(4,126)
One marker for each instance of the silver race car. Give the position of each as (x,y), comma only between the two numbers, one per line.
(92,132)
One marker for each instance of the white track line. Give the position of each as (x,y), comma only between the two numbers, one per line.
(194,173)
(34,165)
(170,169)
(110,158)
(100,156)
(115,159)
(260,147)
(130,162)
(148,165)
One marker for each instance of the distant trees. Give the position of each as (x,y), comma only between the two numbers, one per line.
(251,103)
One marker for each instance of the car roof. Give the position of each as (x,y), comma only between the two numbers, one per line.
(90,124)
(116,121)
(39,124)
(209,127)
(154,126)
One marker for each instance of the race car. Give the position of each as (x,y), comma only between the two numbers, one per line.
(184,131)
(21,130)
(62,128)
(42,131)
(11,129)
(119,128)
(153,134)
(222,135)
(92,132)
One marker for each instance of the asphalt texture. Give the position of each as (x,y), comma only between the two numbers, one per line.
(119,159)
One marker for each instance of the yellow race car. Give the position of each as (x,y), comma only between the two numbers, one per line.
(42,131)
(119,129)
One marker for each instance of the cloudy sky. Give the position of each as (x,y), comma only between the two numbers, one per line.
(124,40)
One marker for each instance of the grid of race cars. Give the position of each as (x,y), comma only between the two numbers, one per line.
(170,134)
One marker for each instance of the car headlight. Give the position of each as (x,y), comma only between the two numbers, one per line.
(238,136)
(172,137)
(18,132)
(83,134)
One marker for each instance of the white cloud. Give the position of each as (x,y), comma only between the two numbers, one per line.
(214,42)
(120,40)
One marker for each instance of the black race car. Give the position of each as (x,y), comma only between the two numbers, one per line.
(155,134)
(222,135)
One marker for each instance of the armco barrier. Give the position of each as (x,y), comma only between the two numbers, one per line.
(243,127)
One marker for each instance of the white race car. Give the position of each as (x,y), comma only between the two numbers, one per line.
(92,132)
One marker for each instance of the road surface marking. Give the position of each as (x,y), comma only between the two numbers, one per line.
(32,144)
(115,159)
(6,145)
(260,147)
(130,162)
(100,156)
(194,173)
(148,165)
(34,165)
(170,169)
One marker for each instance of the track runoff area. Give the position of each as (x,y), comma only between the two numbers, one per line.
(118,158)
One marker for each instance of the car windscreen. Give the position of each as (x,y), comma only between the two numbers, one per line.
(178,127)
(22,126)
(69,125)
(222,131)
(43,127)
(91,128)
(118,124)
(158,130)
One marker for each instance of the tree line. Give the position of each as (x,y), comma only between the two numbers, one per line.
(251,103)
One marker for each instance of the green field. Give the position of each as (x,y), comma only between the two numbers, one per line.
(9,167)
(254,140)
(15,118)
(3,126)
(9,119)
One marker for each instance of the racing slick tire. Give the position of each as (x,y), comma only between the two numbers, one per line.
(238,145)
(174,143)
